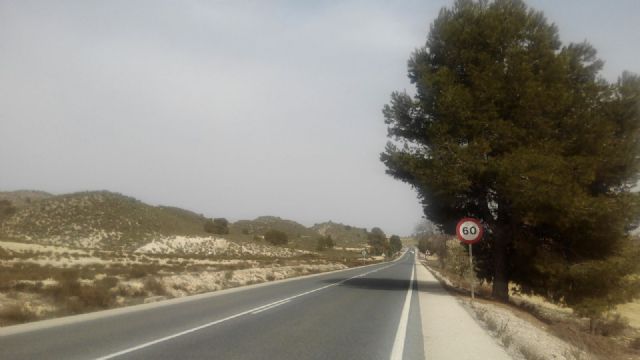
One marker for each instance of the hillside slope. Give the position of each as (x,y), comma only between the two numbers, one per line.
(23,198)
(343,235)
(262,224)
(97,219)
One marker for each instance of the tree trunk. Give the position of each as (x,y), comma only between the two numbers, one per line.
(500,289)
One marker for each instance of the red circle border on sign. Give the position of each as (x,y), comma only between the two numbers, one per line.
(480,233)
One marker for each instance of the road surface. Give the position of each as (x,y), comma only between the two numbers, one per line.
(369,313)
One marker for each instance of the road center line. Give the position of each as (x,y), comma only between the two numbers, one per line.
(250,311)
(401,334)
(270,307)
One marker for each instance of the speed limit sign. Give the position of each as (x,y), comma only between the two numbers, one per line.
(469,230)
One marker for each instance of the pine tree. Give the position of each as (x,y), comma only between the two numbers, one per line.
(510,126)
(377,240)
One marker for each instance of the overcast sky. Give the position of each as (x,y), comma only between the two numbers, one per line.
(232,108)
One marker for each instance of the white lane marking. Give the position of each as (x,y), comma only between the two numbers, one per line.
(270,307)
(250,311)
(401,334)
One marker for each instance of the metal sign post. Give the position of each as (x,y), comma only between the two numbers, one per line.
(471,280)
(470,231)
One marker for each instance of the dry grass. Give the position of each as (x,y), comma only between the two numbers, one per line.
(614,337)
(16,314)
(631,311)
(598,345)
(113,278)
(529,353)
(153,286)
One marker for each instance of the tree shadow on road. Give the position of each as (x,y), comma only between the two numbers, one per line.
(386,284)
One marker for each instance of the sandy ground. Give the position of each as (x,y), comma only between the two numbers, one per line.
(24,247)
(213,246)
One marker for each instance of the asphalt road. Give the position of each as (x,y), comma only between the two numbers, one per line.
(363,313)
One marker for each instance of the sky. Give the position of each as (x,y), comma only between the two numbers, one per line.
(233,109)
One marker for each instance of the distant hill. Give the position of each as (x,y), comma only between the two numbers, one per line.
(262,224)
(23,198)
(103,219)
(96,219)
(343,235)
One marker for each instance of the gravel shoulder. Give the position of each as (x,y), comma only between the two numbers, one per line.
(518,335)
(448,330)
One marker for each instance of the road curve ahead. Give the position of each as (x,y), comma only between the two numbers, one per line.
(363,313)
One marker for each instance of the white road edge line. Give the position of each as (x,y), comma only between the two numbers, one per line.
(401,334)
(250,311)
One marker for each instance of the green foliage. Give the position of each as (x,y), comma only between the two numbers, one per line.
(423,245)
(324,243)
(377,241)
(436,244)
(276,237)
(343,235)
(457,259)
(509,126)
(218,226)
(395,244)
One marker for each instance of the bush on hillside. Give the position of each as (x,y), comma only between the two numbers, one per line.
(324,243)
(6,209)
(276,237)
(218,226)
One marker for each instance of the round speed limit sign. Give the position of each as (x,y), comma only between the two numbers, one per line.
(469,230)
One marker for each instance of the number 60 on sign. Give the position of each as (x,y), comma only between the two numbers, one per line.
(469,230)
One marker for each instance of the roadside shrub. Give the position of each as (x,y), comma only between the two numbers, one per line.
(457,261)
(507,339)
(529,353)
(152,285)
(68,285)
(612,325)
(97,296)
(109,282)
(481,313)
(137,273)
(276,237)
(492,324)
(635,344)
(324,243)
(16,313)
(228,275)
(78,298)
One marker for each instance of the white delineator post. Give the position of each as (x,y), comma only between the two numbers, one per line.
(470,231)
